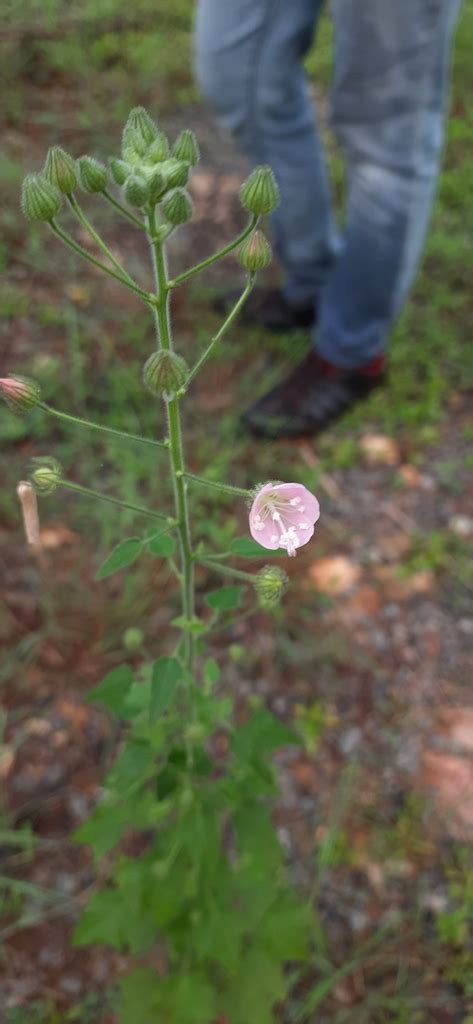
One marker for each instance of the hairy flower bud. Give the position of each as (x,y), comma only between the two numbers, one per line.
(138,133)
(177,207)
(156,186)
(120,170)
(270,584)
(92,174)
(60,169)
(255,253)
(48,474)
(259,194)
(39,199)
(159,149)
(136,191)
(165,373)
(177,173)
(186,148)
(20,393)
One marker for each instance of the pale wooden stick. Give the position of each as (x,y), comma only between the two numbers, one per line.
(29,509)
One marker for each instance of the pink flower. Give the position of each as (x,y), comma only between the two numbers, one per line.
(283,516)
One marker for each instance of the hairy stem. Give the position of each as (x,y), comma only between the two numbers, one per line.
(227,570)
(96,263)
(123,210)
(78,421)
(216,255)
(79,489)
(81,217)
(230,318)
(176,457)
(240,492)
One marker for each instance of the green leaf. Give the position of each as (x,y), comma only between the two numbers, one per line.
(211,673)
(124,554)
(246,547)
(114,689)
(194,625)
(139,996)
(225,598)
(104,919)
(162,545)
(103,828)
(262,734)
(166,674)
(259,985)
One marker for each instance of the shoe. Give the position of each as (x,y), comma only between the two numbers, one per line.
(313,397)
(267,307)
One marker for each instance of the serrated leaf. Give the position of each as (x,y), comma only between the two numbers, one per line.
(114,689)
(162,545)
(104,919)
(166,674)
(103,828)
(246,547)
(225,598)
(124,554)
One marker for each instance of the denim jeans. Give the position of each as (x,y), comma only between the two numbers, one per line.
(388,111)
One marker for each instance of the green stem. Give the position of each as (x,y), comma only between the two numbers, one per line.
(216,256)
(77,421)
(176,457)
(226,570)
(79,489)
(78,211)
(87,256)
(230,318)
(225,488)
(123,210)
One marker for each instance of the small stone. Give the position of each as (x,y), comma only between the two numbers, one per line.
(462,526)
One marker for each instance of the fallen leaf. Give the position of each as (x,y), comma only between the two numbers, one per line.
(379,449)
(397,588)
(56,536)
(334,575)
(410,476)
(457,725)
(451,778)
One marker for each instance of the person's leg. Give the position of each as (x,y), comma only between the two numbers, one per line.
(389,98)
(248,64)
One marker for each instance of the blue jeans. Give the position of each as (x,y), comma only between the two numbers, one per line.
(388,111)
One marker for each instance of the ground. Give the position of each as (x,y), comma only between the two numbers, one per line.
(373,651)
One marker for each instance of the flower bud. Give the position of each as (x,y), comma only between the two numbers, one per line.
(158,150)
(177,207)
(165,373)
(259,194)
(270,584)
(156,186)
(255,253)
(60,170)
(139,132)
(47,476)
(186,148)
(177,173)
(20,393)
(132,638)
(92,174)
(136,191)
(120,170)
(39,199)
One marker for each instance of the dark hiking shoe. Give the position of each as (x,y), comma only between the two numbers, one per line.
(313,397)
(267,307)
